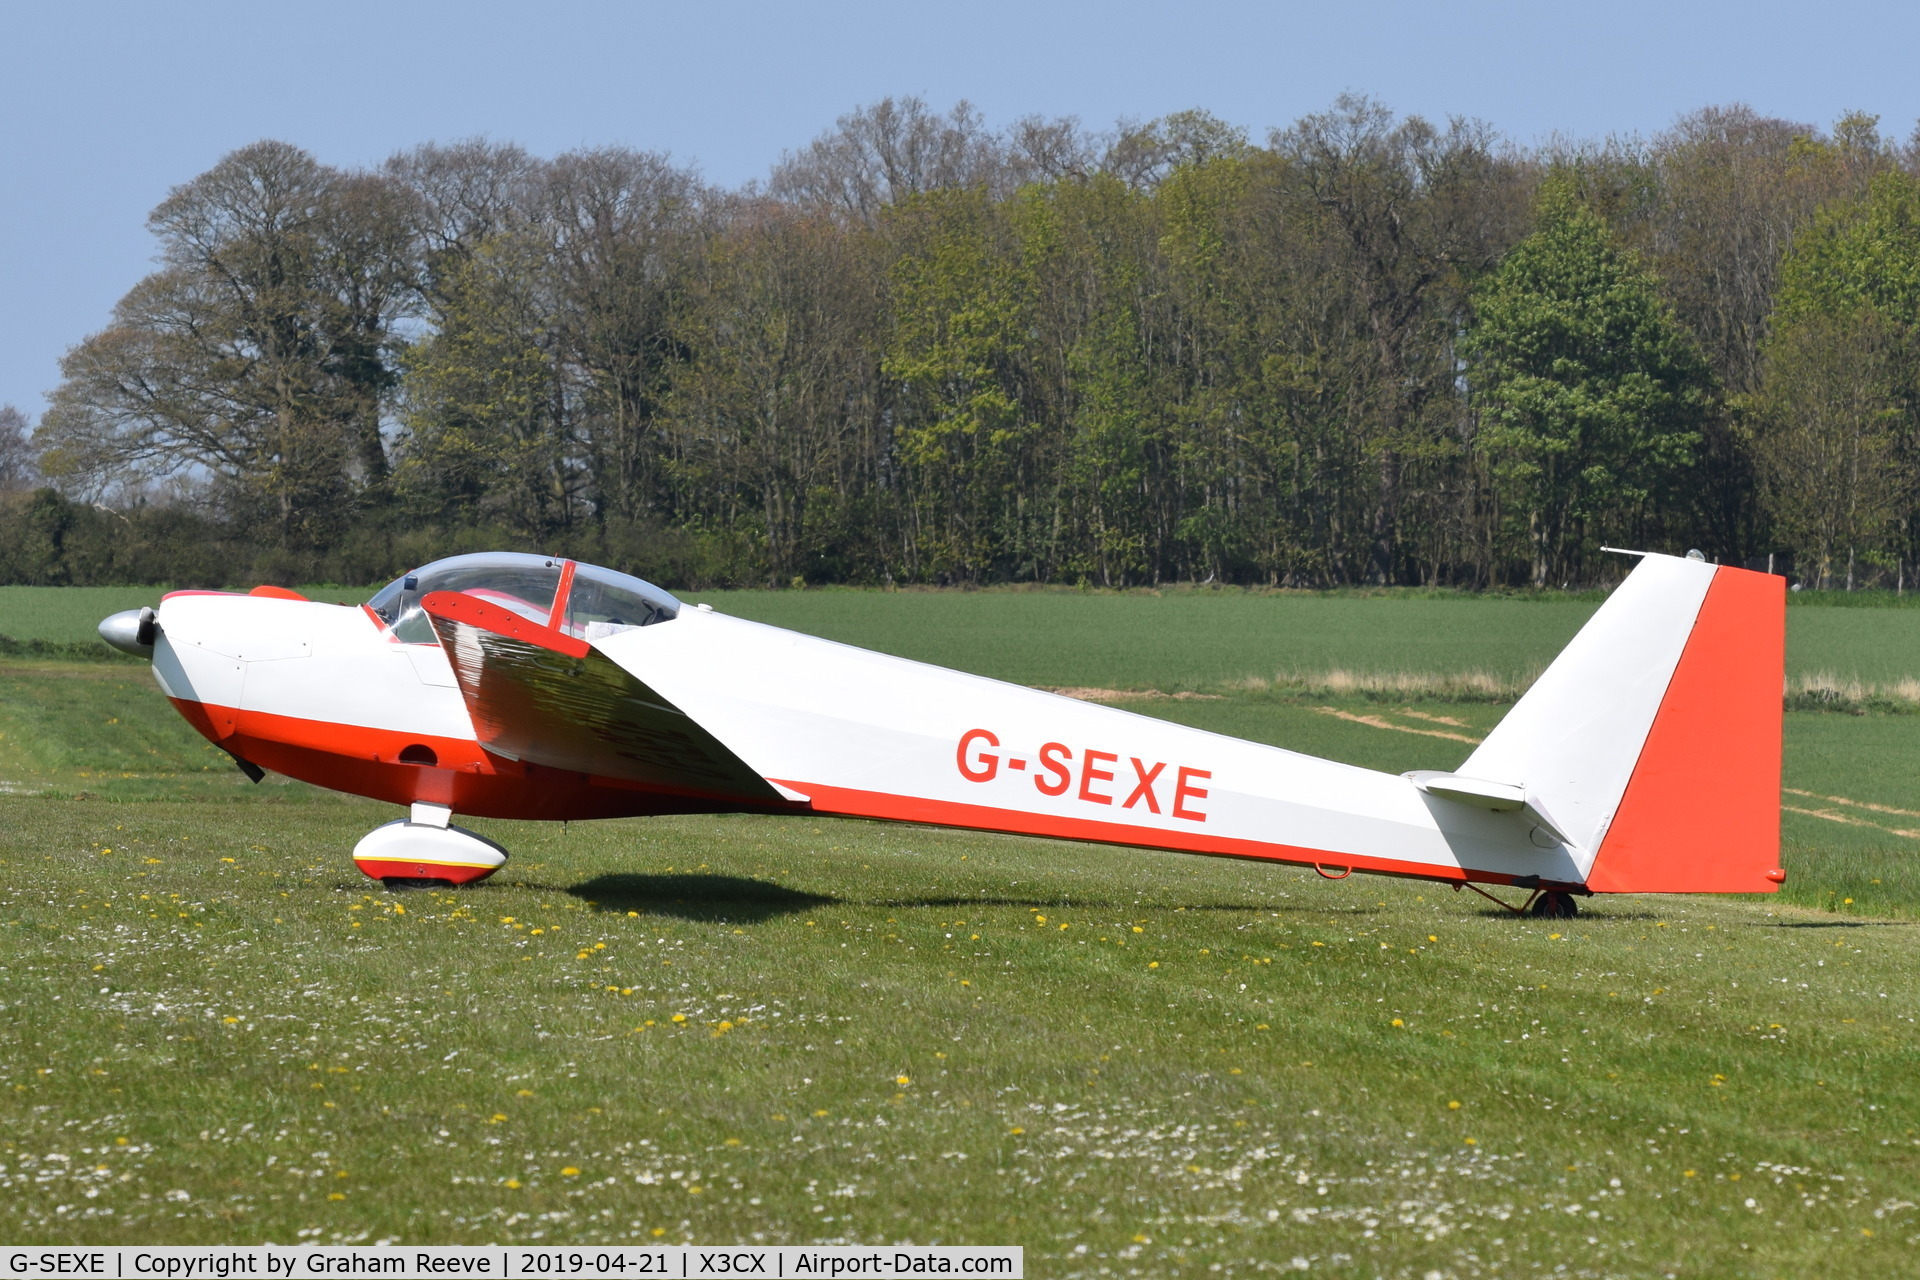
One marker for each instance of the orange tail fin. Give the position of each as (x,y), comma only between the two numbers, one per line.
(1701,811)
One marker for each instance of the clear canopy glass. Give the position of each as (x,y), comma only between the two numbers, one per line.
(599,602)
(603,603)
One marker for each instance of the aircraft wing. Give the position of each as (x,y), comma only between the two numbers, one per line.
(542,697)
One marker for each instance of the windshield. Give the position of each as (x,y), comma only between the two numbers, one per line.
(522,583)
(599,601)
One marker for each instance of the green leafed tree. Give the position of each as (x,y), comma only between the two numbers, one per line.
(1590,396)
(488,413)
(958,359)
(1836,421)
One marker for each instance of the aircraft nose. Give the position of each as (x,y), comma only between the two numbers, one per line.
(131,631)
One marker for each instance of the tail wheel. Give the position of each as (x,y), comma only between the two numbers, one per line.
(1553,905)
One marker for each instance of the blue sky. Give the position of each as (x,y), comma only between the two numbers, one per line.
(103,107)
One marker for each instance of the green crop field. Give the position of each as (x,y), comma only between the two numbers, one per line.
(1189,639)
(759,1029)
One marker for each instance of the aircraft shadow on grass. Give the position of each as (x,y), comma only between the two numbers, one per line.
(1838,924)
(738,899)
(735,899)
(1067,903)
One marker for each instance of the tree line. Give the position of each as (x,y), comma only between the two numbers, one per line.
(1368,349)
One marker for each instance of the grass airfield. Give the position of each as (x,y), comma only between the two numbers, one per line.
(787,1030)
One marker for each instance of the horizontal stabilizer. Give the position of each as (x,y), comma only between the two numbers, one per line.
(1498,797)
(1494,797)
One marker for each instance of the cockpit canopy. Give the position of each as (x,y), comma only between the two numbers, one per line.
(591,602)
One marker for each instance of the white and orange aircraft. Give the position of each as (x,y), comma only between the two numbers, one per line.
(1645,759)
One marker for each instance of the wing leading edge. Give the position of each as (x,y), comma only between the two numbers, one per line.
(540,696)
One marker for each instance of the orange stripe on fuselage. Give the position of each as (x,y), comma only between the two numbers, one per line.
(849,803)
(366,761)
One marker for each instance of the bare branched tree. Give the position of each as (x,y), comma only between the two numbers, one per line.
(879,155)
(260,354)
(466,192)
(1142,155)
(18,469)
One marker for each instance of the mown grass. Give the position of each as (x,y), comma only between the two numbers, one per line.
(1225,1087)
(770,1029)
(90,730)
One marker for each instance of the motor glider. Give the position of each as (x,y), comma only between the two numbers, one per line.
(1645,759)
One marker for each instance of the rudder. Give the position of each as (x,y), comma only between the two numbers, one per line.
(1701,812)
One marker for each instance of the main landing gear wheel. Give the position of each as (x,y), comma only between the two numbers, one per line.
(1553,905)
(425,851)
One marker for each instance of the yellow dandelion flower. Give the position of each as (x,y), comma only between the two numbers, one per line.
(569,1172)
